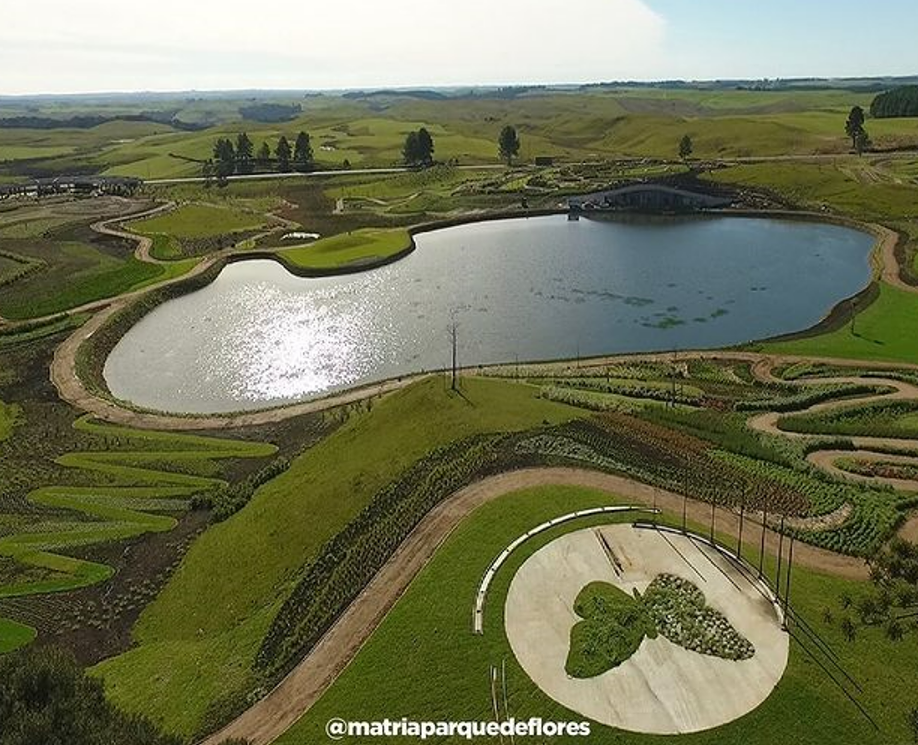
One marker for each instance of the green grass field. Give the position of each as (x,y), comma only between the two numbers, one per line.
(198,221)
(886,331)
(351,249)
(445,674)
(573,126)
(197,641)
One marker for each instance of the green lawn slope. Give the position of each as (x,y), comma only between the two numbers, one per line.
(197,640)
(424,662)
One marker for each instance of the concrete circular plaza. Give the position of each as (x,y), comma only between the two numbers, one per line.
(663,688)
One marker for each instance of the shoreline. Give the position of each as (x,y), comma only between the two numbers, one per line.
(78,363)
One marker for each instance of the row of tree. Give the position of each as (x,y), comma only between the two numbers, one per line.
(897,102)
(240,158)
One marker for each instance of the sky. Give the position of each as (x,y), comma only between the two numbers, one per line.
(62,46)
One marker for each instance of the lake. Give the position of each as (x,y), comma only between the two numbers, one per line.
(523,289)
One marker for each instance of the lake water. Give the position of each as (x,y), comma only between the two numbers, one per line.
(524,289)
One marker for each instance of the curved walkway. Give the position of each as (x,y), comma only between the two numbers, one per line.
(304,685)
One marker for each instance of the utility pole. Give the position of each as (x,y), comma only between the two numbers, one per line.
(790,566)
(742,514)
(713,512)
(454,339)
(780,556)
(762,547)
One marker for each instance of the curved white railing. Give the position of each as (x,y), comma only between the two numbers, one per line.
(478,615)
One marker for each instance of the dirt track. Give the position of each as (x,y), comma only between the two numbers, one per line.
(293,697)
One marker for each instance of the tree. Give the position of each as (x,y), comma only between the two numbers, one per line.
(283,155)
(224,159)
(855,124)
(418,148)
(46,698)
(508,144)
(263,158)
(302,152)
(425,146)
(410,149)
(244,152)
(686,147)
(207,172)
(861,141)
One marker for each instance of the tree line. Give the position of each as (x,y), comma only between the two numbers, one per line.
(897,102)
(240,158)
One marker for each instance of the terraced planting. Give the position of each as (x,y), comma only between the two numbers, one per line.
(271,557)
(56,262)
(143,489)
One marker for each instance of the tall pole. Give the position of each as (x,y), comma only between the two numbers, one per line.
(790,566)
(454,338)
(780,556)
(713,511)
(742,514)
(762,547)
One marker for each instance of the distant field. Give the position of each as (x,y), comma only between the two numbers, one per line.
(198,221)
(570,126)
(349,249)
(849,184)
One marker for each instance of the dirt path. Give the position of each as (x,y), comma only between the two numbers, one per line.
(295,694)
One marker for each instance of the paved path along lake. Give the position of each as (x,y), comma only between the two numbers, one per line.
(528,289)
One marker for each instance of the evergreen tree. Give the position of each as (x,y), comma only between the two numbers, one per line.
(508,144)
(283,153)
(263,158)
(425,146)
(418,148)
(244,154)
(224,159)
(302,152)
(686,147)
(855,124)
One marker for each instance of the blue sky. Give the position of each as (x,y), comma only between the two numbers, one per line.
(787,38)
(105,45)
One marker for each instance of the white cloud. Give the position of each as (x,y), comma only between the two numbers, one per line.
(180,44)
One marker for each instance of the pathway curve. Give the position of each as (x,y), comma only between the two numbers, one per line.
(304,685)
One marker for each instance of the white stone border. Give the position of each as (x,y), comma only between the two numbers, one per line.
(478,614)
